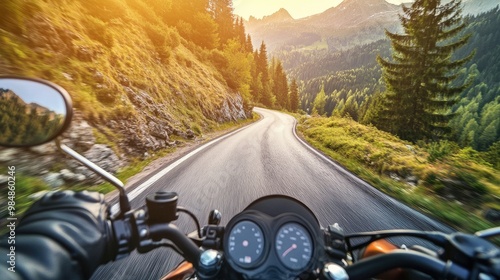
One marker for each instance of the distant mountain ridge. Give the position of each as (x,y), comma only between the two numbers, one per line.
(29,107)
(279,16)
(350,13)
(352,22)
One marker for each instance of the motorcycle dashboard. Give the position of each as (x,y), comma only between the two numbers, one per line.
(275,237)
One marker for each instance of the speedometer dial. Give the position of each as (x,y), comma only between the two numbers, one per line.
(294,246)
(246,243)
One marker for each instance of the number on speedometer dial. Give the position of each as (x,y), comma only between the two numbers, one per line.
(294,246)
(246,243)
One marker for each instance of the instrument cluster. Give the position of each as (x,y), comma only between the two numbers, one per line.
(279,243)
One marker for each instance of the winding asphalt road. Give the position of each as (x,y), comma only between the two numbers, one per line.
(261,159)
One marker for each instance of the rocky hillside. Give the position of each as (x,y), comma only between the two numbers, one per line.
(137,84)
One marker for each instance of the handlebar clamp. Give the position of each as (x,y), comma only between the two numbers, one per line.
(334,241)
(124,235)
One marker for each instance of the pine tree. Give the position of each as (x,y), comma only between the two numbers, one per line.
(294,96)
(280,85)
(255,87)
(222,12)
(420,77)
(488,136)
(351,108)
(241,33)
(266,96)
(320,102)
(262,65)
(248,44)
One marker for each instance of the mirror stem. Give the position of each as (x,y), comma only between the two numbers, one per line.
(124,202)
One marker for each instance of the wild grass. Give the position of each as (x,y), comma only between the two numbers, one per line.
(393,165)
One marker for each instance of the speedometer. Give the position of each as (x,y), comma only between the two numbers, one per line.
(293,246)
(246,243)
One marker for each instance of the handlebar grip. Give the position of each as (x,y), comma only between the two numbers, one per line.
(373,266)
(190,251)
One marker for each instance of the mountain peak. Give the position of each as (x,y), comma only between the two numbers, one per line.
(351,13)
(364,3)
(280,15)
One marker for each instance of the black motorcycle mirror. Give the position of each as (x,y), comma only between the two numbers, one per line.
(34,112)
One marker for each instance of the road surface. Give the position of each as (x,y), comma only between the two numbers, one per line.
(261,159)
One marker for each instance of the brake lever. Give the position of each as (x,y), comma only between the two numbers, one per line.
(213,236)
(488,233)
(196,238)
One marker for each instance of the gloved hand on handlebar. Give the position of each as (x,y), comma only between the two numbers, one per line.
(64,235)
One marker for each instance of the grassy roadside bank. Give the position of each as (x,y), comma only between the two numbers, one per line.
(452,184)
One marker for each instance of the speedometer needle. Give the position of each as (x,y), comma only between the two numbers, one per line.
(294,246)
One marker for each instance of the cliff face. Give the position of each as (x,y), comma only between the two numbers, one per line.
(136,84)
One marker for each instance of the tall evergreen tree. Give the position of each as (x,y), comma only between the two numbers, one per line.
(420,77)
(248,44)
(266,96)
(241,33)
(222,12)
(320,102)
(280,85)
(255,87)
(262,65)
(294,96)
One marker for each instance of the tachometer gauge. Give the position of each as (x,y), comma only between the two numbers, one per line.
(246,243)
(293,246)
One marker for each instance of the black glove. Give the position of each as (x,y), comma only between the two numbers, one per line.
(64,235)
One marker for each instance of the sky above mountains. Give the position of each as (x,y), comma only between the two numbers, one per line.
(296,8)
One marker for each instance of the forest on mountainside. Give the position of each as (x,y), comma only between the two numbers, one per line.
(351,81)
(26,121)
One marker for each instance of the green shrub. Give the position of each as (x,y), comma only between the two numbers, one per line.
(196,128)
(218,59)
(440,150)
(105,95)
(155,34)
(472,183)
(469,154)
(164,39)
(493,155)
(97,30)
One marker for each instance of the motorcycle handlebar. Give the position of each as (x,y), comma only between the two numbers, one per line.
(190,250)
(134,231)
(376,265)
(364,269)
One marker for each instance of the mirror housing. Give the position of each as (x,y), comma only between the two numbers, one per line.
(32,111)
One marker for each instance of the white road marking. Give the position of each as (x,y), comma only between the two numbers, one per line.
(140,189)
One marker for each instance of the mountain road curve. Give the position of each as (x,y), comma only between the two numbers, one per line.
(260,159)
